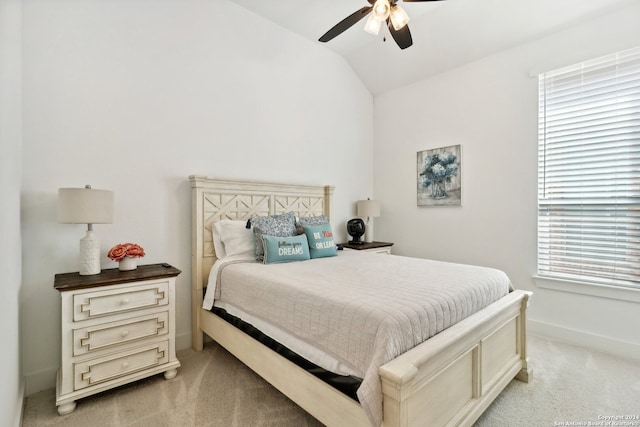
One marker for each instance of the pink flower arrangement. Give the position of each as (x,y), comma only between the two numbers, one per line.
(118,252)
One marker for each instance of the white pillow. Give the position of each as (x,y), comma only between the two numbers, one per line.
(218,247)
(235,237)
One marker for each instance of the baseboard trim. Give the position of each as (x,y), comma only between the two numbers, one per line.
(19,411)
(40,380)
(183,341)
(613,346)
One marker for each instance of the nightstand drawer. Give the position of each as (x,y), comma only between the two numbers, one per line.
(118,365)
(107,335)
(385,251)
(102,303)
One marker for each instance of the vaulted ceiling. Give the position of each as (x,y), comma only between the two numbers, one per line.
(446,34)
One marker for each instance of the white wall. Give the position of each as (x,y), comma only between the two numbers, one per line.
(490,108)
(12,385)
(135,96)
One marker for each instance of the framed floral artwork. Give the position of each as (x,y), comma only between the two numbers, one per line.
(439,172)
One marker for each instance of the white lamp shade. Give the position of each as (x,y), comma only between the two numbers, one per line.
(368,208)
(85,206)
(372,26)
(381,10)
(399,17)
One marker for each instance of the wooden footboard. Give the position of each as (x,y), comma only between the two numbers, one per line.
(448,380)
(452,378)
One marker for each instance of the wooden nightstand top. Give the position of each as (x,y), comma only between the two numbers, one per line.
(112,276)
(365,246)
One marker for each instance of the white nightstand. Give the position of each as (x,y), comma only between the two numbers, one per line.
(377,247)
(117,327)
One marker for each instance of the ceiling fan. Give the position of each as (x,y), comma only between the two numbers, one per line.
(383,11)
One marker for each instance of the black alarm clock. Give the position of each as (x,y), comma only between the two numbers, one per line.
(355,229)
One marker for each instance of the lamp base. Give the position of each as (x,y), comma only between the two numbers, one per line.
(368,231)
(89,255)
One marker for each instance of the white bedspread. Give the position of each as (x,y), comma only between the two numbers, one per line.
(363,309)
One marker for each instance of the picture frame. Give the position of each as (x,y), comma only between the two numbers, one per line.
(439,172)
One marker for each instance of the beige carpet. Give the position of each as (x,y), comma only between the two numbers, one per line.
(570,384)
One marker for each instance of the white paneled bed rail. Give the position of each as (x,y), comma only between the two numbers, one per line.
(448,380)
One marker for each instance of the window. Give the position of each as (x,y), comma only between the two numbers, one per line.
(589,171)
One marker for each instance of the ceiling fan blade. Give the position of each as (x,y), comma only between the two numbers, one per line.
(401,36)
(346,23)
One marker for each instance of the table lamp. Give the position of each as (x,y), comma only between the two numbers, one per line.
(86,206)
(368,209)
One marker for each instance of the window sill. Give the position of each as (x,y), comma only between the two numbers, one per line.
(584,288)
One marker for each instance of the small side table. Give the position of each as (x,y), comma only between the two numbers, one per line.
(377,247)
(117,327)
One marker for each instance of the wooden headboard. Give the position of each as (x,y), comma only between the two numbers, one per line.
(215,199)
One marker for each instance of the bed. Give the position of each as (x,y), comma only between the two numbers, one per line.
(448,380)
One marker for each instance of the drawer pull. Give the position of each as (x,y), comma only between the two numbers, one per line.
(125,365)
(125,301)
(125,334)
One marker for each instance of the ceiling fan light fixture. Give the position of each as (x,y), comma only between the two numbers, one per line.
(381,10)
(398,17)
(372,26)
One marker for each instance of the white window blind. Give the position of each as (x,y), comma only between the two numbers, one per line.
(589,171)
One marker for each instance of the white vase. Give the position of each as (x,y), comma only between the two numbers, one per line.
(128,263)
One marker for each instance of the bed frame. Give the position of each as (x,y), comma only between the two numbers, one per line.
(448,380)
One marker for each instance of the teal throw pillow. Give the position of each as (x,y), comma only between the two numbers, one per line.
(285,249)
(321,243)
(282,225)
